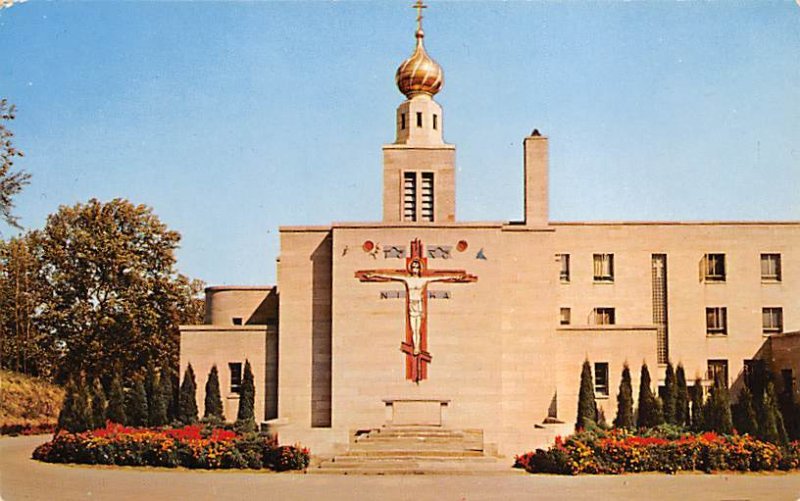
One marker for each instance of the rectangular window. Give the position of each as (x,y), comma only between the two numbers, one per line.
(419,119)
(237,320)
(771,267)
(718,368)
(435,121)
(564,260)
(566,313)
(410,196)
(427,197)
(714,267)
(236,376)
(403,121)
(772,320)
(604,316)
(604,267)
(601,378)
(716,321)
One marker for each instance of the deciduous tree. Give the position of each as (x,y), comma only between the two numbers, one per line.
(11,183)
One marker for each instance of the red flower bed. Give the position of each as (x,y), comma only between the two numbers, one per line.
(619,451)
(192,446)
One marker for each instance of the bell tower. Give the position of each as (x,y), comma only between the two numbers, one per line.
(419,168)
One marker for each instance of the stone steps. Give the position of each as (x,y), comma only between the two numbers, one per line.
(413,450)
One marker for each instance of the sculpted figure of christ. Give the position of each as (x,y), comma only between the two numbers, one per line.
(416,282)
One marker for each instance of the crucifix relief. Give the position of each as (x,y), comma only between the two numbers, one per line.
(416,277)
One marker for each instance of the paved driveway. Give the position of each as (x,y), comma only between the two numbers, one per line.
(23,478)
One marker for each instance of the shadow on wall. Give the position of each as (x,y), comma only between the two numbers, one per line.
(322,267)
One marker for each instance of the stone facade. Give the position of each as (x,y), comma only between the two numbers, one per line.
(506,350)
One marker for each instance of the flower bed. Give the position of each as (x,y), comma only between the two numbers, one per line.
(191,446)
(618,451)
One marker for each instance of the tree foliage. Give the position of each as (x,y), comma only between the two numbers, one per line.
(648,414)
(744,413)
(213,400)
(697,406)
(670,394)
(587,407)
(75,415)
(98,404)
(681,397)
(96,288)
(11,183)
(136,404)
(717,411)
(187,398)
(771,427)
(115,411)
(624,417)
(245,418)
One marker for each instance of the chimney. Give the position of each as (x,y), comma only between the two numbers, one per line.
(536,164)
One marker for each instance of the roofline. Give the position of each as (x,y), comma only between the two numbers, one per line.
(222,288)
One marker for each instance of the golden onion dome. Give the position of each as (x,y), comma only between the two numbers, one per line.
(419,74)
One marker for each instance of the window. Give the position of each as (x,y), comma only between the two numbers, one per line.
(716,321)
(604,267)
(772,320)
(419,119)
(714,267)
(601,378)
(403,121)
(718,368)
(771,267)
(237,320)
(564,260)
(435,121)
(410,196)
(236,376)
(427,197)
(566,313)
(604,316)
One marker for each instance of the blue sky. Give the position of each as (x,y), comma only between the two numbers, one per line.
(231,119)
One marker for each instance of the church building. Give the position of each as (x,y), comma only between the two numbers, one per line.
(422,320)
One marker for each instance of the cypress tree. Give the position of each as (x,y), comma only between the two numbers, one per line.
(789,411)
(187,398)
(116,401)
(99,404)
(624,417)
(150,388)
(136,408)
(245,419)
(771,427)
(744,414)
(670,395)
(681,398)
(718,408)
(587,408)
(213,400)
(697,406)
(166,383)
(157,405)
(648,415)
(75,413)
